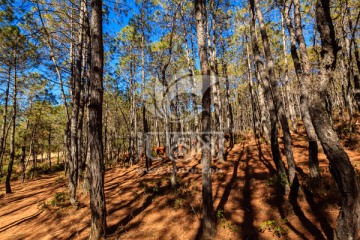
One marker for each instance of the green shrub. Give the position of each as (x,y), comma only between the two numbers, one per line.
(275,227)
(60,199)
(224,223)
(179,202)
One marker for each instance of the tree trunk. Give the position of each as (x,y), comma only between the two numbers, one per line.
(95,145)
(264,79)
(287,99)
(144,120)
(277,101)
(12,140)
(208,216)
(3,127)
(302,69)
(49,147)
(250,82)
(214,93)
(347,224)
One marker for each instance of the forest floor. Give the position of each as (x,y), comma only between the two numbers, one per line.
(247,201)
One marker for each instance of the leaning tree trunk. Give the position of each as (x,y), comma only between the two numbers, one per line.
(290,103)
(264,79)
(95,144)
(208,216)
(276,98)
(302,69)
(347,224)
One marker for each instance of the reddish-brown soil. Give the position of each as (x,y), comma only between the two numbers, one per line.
(145,207)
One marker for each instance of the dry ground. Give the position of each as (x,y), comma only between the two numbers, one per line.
(246,198)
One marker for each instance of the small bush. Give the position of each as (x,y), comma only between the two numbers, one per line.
(179,202)
(275,227)
(224,223)
(60,199)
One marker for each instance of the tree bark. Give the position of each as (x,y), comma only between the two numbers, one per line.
(288,98)
(275,96)
(3,127)
(208,216)
(12,140)
(347,224)
(95,145)
(302,69)
(264,79)
(49,147)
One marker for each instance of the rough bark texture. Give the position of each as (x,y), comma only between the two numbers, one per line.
(302,69)
(275,95)
(12,140)
(208,216)
(3,127)
(95,146)
(76,98)
(264,79)
(288,98)
(347,225)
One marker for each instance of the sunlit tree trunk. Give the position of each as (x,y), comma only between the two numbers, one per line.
(208,216)
(264,80)
(4,123)
(347,224)
(94,107)
(302,69)
(275,95)
(13,129)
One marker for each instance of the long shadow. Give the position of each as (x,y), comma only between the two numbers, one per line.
(13,224)
(227,191)
(74,234)
(112,230)
(279,201)
(320,215)
(294,193)
(249,231)
(230,184)
(115,178)
(264,161)
(126,205)
(22,207)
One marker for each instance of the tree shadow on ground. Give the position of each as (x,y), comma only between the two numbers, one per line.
(115,229)
(248,230)
(4,228)
(293,197)
(320,214)
(230,184)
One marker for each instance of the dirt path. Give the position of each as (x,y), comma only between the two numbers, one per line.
(145,207)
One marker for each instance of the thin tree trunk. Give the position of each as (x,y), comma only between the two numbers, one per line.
(264,79)
(3,127)
(286,78)
(208,216)
(49,147)
(250,82)
(302,69)
(12,140)
(277,101)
